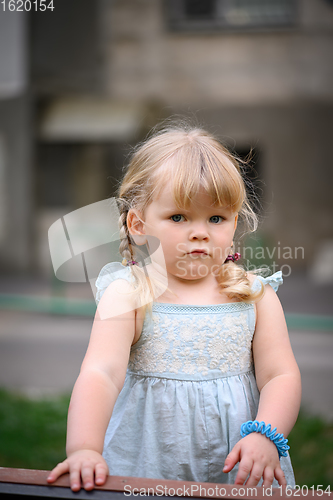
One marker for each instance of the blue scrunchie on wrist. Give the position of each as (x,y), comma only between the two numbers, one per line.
(278,439)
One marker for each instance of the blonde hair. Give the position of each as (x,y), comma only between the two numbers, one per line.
(198,160)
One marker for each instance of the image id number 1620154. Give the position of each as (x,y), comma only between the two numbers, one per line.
(27,5)
(301,491)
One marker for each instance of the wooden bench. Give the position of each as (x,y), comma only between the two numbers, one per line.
(25,483)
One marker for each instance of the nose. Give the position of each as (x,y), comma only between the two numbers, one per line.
(198,232)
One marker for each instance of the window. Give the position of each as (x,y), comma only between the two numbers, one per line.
(197,9)
(223,15)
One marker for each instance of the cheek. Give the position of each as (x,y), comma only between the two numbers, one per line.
(170,237)
(168,242)
(172,248)
(228,234)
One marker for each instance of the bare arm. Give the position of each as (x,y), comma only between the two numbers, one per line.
(95,392)
(279,384)
(277,373)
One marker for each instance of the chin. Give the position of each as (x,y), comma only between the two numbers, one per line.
(192,272)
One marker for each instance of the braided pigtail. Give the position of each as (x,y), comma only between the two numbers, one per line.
(125,247)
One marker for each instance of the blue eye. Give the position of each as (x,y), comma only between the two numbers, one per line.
(177,217)
(216,219)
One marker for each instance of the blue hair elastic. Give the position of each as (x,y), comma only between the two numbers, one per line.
(278,439)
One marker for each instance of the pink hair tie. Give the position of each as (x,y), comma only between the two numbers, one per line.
(233,257)
(126,262)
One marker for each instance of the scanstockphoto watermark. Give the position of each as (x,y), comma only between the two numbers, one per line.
(249,255)
(219,491)
(194,490)
(269,254)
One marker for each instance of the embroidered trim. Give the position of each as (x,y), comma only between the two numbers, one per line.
(214,376)
(198,309)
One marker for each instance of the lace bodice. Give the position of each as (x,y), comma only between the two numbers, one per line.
(195,341)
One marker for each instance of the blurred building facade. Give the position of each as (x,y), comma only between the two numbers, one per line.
(100,73)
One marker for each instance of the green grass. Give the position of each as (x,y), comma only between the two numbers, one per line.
(32,436)
(32,432)
(311,451)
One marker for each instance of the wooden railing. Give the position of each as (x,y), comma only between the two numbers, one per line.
(25,483)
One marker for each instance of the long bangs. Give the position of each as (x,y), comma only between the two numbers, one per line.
(198,165)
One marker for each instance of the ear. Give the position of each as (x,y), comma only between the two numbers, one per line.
(135,226)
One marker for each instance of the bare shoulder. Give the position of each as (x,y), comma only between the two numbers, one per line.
(118,298)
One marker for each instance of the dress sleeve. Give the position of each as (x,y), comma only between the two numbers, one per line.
(275,280)
(109,273)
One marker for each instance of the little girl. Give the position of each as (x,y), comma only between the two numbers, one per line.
(186,376)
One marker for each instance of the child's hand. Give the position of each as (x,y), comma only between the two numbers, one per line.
(258,458)
(86,464)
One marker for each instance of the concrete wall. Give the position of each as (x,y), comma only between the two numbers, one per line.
(147,60)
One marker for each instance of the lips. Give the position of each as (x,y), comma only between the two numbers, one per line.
(198,251)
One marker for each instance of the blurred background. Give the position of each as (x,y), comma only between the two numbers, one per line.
(82,82)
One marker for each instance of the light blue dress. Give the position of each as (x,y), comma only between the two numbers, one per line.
(190,384)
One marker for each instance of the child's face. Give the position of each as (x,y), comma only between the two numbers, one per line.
(196,241)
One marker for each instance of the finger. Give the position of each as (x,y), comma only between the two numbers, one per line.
(59,469)
(87,474)
(101,472)
(232,459)
(75,479)
(256,475)
(268,477)
(280,477)
(245,467)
